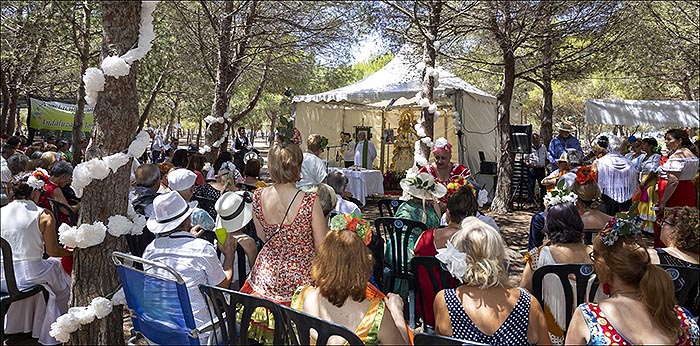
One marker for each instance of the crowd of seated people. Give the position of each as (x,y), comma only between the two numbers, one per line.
(300,255)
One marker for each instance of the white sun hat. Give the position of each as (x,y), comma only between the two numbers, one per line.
(170,210)
(234,209)
(423,186)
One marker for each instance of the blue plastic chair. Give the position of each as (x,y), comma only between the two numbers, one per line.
(159,305)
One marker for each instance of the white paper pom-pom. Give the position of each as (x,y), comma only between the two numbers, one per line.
(115,161)
(94,81)
(81,178)
(432,108)
(64,325)
(207,166)
(102,306)
(146,34)
(98,169)
(91,234)
(139,145)
(420,66)
(483,198)
(139,222)
(84,314)
(436,75)
(115,66)
(419,96)
(204,149)
(209,119)
(420,131)
(68,235)
(424,102)
(429,71)
(130,212)
(118,225)
(119,298)
(427,141)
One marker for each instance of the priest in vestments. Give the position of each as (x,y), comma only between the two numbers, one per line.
(365,152)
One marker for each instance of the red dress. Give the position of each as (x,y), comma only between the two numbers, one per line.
(457,170)
(685,194)
(284,263)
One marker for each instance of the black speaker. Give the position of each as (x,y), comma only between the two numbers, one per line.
(520,138)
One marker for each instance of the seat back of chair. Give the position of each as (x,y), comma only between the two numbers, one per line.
(583,273)
(300,324)
(58,207)
(8,267)
(234,311)
(399,230)
(388,207)
(685,281)
(241,259)
(158,301)
(423,339)
(439,278)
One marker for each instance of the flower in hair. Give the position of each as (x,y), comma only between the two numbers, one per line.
(287,133)
(454,260)
(35,183)
(585,174)
(456,183)
(352,222)
(622,225)
(559,195)
(41,174)
(324,142)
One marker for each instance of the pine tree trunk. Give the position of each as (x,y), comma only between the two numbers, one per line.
(13,110)
(547,93)
(94,273)
(501,199)
(429,58)
(4,90)
(80,110)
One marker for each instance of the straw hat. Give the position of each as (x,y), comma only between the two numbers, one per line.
(423,186)
(234,209)
(567,126)
(170,210)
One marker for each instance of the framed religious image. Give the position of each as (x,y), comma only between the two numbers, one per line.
(388,136)
(366,130)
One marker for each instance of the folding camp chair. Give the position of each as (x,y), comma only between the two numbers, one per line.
(158,302)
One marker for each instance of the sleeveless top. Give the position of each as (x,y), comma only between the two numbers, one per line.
(513,331)
(367,330)
(284,263)
(692,302)
(602,332)
(20,227)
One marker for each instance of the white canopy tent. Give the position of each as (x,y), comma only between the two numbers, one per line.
(640,112)
(377,100)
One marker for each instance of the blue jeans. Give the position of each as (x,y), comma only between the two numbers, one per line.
(536,236)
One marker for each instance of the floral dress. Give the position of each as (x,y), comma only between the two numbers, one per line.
(457,170)
(602,331)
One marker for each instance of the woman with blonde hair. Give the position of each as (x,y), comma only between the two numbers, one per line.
(680,231)
(641,307)
(485,308)
(291,224)
(343,295)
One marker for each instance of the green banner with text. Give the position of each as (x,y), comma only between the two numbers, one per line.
(54,115)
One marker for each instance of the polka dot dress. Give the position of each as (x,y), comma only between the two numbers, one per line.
(513,331)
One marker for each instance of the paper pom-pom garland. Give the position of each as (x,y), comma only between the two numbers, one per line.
(139,145)
(83,236)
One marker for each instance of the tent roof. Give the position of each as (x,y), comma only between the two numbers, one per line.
(398,79)
(641,112)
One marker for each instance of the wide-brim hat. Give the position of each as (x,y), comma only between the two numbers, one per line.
(234,209)
(566,126)
(423,186)
(564,157)
(169,211)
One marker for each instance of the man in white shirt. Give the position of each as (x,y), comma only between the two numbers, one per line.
(194,259)
(536,162)
(339,182)
(156,146)
(365,152)
(348,150)
(313,170)
(5,173)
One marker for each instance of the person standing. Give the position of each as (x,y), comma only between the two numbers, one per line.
(348,150)
(563,141)
(617,178)
(156,146)
(536,161)
(313,170)
(240,146)
(365,152)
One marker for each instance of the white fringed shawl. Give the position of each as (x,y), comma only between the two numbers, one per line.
(617,177)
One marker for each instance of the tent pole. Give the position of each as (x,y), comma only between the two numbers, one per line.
(381,139)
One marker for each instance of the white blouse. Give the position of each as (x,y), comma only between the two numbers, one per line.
(684,168)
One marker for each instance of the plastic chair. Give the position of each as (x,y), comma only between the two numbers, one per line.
(423,339)
(299,325)
(400,231)
(582,271)
(685,281)
(388,207)
(226,306)
(439,279)
(159,305)
(14,294)
(58,207)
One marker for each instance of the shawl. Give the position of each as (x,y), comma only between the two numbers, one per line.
(617,177)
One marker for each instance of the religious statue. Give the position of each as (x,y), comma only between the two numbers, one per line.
(404,139)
